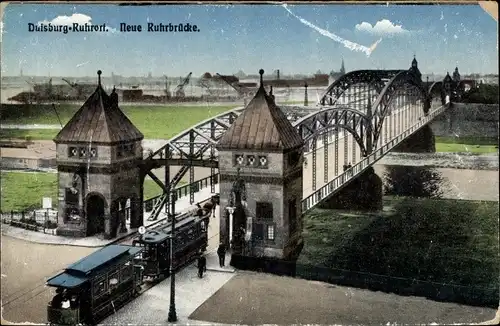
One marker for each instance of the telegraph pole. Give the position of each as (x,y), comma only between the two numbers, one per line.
(172,314)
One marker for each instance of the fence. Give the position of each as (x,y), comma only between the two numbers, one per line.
(46,221)
(185,190)
(38,220)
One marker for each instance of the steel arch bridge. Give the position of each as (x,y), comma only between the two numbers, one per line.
(368,111)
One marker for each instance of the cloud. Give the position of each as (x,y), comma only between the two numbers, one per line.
(382,27)
(75,18)
(348,44)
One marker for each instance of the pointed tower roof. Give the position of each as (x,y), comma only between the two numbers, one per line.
(342,67)
(261,126)
(99,120)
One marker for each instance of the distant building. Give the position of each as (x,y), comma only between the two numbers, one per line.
(414,68)
(334,75)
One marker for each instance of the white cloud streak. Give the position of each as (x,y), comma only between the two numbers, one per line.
(348,44)
(382,27)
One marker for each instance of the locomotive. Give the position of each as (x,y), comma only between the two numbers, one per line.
(101,283)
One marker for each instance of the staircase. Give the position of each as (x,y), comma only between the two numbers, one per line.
(164,197)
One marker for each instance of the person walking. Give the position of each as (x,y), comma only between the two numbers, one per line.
(221,252)
(202,265)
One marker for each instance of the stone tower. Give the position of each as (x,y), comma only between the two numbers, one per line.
(260,166)
(456,76)
(98,158)
(414,68)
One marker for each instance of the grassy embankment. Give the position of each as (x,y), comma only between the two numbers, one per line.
(23,191)
(476,145)
(155,122)
(443,241)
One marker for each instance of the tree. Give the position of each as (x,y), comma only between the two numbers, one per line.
(485,94)
(413,181)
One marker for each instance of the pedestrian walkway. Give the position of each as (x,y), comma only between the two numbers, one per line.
(182,206)
(152,307)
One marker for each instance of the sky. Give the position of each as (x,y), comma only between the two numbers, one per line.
(292,38)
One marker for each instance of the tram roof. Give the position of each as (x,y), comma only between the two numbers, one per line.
(155,236)
(81,271)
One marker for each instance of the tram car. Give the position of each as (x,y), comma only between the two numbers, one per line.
(96,286)
(191,239)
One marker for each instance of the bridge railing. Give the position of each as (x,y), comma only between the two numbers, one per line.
(185,190)
(343,179)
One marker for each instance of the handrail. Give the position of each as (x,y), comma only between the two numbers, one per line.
(185,189)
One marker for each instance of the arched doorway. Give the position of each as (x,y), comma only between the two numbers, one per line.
(95,205)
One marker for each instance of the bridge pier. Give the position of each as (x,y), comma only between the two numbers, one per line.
(365,192)
(422,141)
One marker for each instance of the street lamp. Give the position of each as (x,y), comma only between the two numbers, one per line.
(172,314)
(230,210)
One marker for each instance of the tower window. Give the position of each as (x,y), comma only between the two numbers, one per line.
(83,152)
(239,159)
(129,149)
(73,152)
(125,150)
(93,152)
(264,211)
(263,161)
(250,160)
(270,232)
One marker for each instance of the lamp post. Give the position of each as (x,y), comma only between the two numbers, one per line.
(172,314)
(230,210)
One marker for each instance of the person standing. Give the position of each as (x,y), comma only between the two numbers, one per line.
(202,265)
(221,252)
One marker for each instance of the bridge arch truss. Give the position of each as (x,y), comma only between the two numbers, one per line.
(351,88)
(387,99)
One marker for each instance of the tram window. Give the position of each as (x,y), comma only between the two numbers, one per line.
(151,253)
(114,280)
(180,240)
(100,286)
(127,271)
(190,235)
